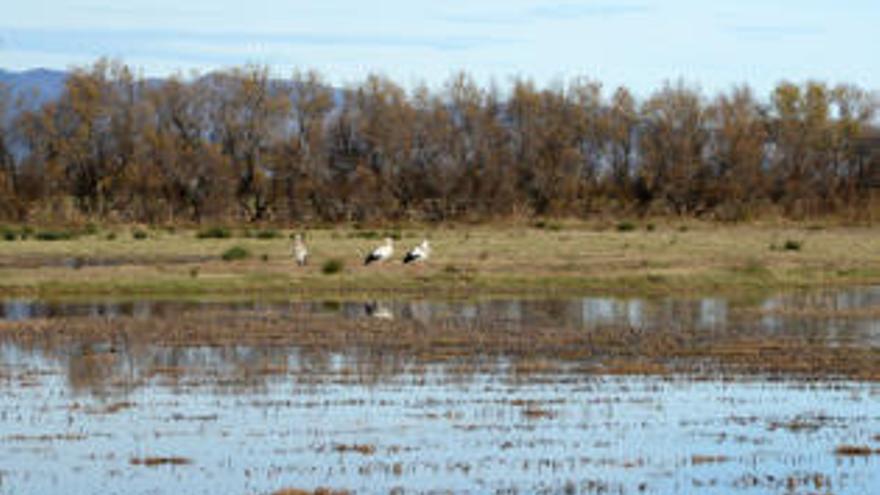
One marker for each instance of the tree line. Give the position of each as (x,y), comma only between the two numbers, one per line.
(239,145)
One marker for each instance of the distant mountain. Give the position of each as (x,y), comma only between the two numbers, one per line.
(36,86)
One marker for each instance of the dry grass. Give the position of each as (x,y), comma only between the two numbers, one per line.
(363,449)
(159,461)
(855,450)
(503,259)
(316,491)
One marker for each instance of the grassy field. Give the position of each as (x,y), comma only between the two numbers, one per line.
(570,258)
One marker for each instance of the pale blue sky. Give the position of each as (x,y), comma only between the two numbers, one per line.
(640,43)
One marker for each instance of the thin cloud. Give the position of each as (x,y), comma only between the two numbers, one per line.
(559,11)
(579,10)
(47,39)
(774,31)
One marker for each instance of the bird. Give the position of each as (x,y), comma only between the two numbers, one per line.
(418,253)
(381,253)
(300,252)
(378,311)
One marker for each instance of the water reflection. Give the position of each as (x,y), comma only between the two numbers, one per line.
(708,313)
(257,419)
(97,412)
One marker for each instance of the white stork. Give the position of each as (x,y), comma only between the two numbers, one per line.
(381,253)
(378,311)
(300,252)
(418,253)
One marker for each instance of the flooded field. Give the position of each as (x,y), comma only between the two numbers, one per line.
(596,395)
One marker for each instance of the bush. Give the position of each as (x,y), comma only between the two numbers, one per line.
(54,235)
(139,234)
(626,226)
(268,234)
(214,233)
(9,234)
(543,224)
(235,253)
(792,245)
(332,266)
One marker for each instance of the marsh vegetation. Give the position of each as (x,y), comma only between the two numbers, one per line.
(571,259)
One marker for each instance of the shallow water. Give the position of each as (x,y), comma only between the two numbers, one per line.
(709,313)
(428,428)
(75,414)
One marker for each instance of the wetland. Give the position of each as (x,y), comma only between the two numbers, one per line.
(593,394)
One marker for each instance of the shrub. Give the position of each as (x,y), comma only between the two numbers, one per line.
(332,266)
(626,226)
(111,236)
(54,235)
(792,245)
(214,233)
(268,234)
(543,224)
(650,227)
(235,253)
(9,234)
(139,234)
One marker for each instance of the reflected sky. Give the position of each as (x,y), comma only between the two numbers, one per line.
(706,313)
(432,428)
(76,411)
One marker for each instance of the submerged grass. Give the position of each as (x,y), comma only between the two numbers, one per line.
(484,260)
(160,461)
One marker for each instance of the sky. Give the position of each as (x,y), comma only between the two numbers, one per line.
(714,45)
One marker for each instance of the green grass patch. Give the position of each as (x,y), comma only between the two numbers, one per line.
(792,245)
(54,235)
(90,228)
(374,234)
(266,234)
(332,266)
(547,225)
(235,253)
(214,233)
(626,226)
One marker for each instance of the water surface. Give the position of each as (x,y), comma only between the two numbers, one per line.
(81,415)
